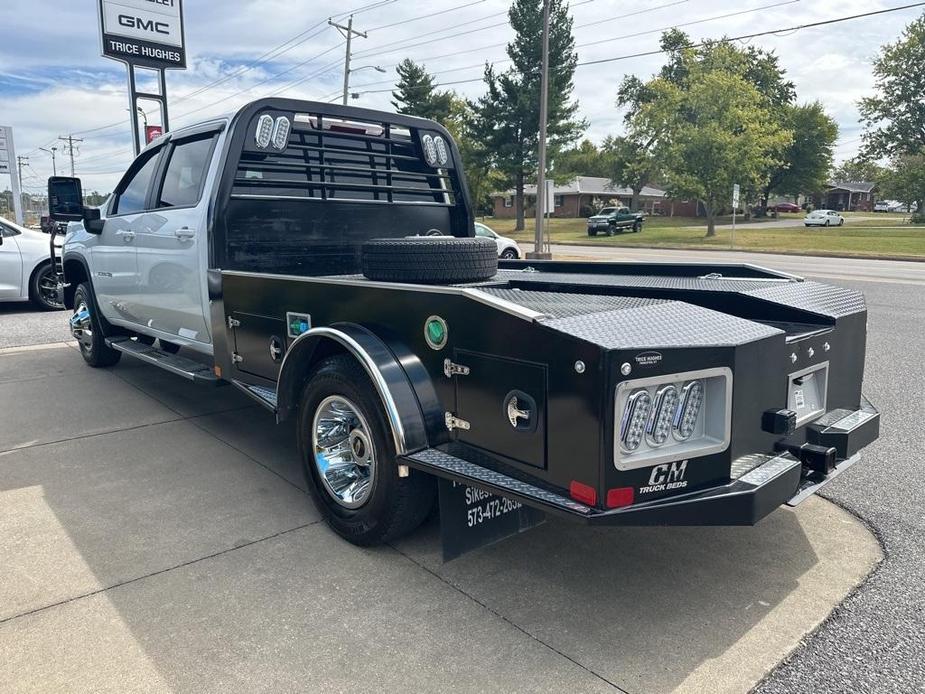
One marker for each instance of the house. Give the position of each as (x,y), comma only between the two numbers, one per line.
(848,195)
(584,195)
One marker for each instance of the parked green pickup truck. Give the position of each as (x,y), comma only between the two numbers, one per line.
(611,219)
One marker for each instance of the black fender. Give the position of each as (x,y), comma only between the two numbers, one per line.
(399,401)
(71,285)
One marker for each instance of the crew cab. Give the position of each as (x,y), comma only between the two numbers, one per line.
(610,220)
(322,259)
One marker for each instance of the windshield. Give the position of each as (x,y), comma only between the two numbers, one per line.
(608,210)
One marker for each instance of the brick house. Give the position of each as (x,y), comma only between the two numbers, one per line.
(847,195)
(592,192)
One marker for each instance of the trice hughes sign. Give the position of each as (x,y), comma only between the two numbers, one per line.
(148,33)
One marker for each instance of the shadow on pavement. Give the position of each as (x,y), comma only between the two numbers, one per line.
(219,576)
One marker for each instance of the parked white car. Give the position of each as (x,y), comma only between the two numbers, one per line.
(507,248)
(823,218)
(25,266)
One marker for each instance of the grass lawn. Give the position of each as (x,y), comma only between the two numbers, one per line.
(887,235)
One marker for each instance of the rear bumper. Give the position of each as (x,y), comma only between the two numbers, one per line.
(761,483)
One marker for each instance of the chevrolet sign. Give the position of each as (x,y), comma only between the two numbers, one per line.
(148,33)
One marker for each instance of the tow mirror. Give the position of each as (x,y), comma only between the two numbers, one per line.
(65,199)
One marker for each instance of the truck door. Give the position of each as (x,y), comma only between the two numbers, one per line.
(171,252)
(115,270)
(503,401)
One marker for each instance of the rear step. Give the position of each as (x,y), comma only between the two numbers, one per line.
(181,366)
(442,464)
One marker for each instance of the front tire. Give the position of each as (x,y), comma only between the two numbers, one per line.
(637,227)
(592,232)
(349,459)
(43,288)
(85,326)
(509,254)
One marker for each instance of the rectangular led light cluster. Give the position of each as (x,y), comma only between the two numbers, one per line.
(672,417)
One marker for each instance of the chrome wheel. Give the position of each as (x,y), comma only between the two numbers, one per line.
(344,454)
(81,327)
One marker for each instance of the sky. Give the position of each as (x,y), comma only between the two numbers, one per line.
(53,81)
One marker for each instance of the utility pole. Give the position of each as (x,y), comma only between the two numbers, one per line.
(54,168)
(348,32)
(21,162)
(538,247)
(69,148)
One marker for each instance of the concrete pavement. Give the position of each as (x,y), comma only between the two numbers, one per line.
(154,536)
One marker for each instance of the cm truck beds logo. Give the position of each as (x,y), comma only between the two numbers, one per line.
(665,477)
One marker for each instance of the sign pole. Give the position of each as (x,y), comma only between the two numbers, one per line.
(735,204)
(8,164)
(133,108)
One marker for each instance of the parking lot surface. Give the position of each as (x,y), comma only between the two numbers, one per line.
(155,536)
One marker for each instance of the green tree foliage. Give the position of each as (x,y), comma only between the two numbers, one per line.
(805,163)
(507,116)
(710,125)
(631,163)
(905,180)
(859,169)
(583,160)
(651,148)
(416,94)
(895,115)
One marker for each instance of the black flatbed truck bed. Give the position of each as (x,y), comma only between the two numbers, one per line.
(609,393)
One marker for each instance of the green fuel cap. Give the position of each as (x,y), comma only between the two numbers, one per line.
(435,332)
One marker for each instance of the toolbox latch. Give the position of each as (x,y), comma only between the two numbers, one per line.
(233,322)
(451,369)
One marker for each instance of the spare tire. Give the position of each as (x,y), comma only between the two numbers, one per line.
(430,259)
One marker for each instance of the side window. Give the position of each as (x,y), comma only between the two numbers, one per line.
(186,172)
(481,231)
(131,199)
(6,231)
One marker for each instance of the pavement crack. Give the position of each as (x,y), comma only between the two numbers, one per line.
(507,620)
(181,565)
(78,437)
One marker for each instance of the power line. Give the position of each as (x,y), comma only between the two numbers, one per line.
(426,16)
(761,33)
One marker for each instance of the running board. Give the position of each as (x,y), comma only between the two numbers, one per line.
(264,396)
(181,366)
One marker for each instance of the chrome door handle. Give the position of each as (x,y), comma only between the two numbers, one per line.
(127,236)
(185,233)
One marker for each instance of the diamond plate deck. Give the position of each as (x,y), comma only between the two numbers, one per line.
(567,304)
(664,324)
(437,461)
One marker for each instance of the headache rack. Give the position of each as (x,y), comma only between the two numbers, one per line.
(336,158)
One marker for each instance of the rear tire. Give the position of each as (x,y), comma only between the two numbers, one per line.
(592,232)
(90,340)
(430,259)
(509,254)
(339,391)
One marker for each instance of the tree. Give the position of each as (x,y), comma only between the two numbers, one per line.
(858,169)
(506,119)
(712,132)
(806,161)
(631,164)
(895,116)
(905,180)
(584,160)
(416,94)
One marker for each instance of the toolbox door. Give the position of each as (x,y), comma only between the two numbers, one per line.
(504,402)
(260,343)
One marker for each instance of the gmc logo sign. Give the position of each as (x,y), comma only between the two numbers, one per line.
(131,22)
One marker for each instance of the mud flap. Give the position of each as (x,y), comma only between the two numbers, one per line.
(471,518)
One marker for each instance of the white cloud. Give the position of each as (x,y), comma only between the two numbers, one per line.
(52,80)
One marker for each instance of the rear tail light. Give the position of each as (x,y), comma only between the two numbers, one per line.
(635,416)
(619,497)
(584,493)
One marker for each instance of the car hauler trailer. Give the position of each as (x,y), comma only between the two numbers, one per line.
(322,259)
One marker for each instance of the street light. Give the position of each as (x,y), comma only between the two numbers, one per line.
(144,115)
(54,168)
(372,67)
